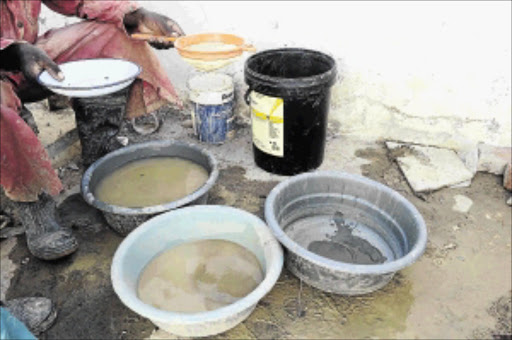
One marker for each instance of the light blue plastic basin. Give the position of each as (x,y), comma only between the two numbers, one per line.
(191,224)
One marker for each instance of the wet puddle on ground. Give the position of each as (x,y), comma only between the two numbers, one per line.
(296,310)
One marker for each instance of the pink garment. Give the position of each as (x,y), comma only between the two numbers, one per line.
(19,17)
(25,168)
(24,164)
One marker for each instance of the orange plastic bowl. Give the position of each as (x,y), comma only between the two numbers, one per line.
(182,44)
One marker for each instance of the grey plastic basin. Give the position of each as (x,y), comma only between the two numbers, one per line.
(124,219)
(302,210)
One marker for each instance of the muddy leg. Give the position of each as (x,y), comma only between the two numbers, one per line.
(98,121)
(46,239)
(57,102)
(27,116)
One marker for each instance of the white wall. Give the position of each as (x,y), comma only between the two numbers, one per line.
(433,72)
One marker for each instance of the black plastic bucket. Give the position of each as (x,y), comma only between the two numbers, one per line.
(289,93)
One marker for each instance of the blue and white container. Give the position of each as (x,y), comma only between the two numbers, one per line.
(211,96)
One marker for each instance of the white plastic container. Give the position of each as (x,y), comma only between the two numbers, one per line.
(191,224)
(212,97)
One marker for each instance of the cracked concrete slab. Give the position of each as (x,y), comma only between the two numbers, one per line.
(469,156)
(429,168)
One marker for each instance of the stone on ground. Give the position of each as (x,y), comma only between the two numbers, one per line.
(429,168)
(507,177)
(493,159)
(462,203)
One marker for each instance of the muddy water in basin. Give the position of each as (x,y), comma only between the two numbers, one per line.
(152,181)
(199,276)
(346,247)
(351,236)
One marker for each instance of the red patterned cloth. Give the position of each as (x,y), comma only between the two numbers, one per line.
(25,168)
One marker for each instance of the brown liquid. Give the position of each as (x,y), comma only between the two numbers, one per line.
(199,276)
(152,181)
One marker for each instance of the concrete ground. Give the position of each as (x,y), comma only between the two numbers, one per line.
(460,287)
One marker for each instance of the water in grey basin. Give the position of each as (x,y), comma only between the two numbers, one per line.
(346,233)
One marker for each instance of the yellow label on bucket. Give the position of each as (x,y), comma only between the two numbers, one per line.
(267,123)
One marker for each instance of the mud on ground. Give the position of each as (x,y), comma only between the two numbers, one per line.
(460,287)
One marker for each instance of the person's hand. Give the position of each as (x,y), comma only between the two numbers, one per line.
(30,60)
(143,21)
